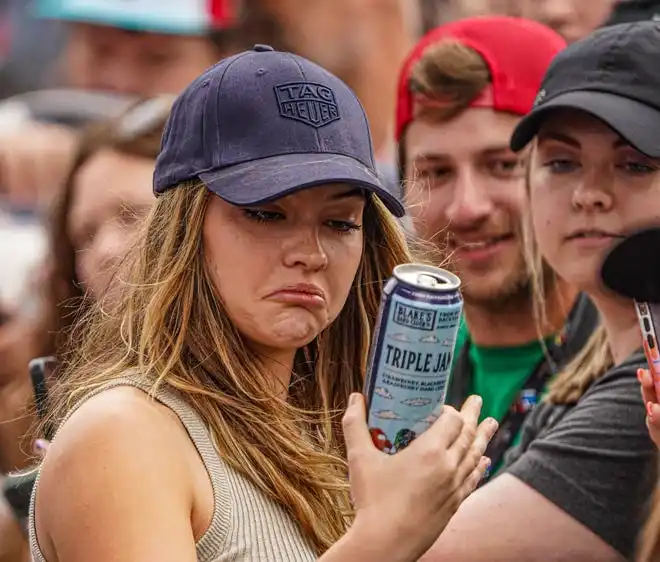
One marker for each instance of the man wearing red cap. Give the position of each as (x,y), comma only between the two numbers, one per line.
(462,91)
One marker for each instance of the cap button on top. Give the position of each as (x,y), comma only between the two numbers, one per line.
(263,48)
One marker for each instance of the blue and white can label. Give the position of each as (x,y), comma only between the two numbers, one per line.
(411,354)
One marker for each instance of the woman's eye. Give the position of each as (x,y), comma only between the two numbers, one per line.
(561,165)
(84,237)
(344,227)
(638,168)
(262,216)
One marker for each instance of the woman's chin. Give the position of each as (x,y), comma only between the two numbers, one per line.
(292,333)
(587,282)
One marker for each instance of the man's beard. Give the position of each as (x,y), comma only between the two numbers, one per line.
(515,294)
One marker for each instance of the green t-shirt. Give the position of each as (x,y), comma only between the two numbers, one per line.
(499,373)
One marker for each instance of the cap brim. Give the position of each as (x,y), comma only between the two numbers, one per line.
(632,267)
(636,122)
(267,179)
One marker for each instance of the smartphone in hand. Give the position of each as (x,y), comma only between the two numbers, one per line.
(648,315)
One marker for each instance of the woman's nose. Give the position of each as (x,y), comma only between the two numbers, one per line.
(306,250)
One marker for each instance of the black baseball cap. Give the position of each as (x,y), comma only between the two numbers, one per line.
(263,124)
(614,75)
(632,267)
(634,10)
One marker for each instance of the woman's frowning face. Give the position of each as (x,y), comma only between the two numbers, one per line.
(284,269)
(588,189)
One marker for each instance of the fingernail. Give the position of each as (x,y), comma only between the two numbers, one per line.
(493,423)
(40,445)
(640,374)
(353,399)
(649,410)
(478,401)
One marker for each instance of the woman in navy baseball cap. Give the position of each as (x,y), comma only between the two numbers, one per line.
(200,420)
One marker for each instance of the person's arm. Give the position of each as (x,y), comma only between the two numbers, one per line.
(17,347)
(115,485)
(508,521)
(577,494)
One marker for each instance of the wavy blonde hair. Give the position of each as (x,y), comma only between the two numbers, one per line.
(171,328)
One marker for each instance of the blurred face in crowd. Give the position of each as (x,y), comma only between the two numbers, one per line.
(573,19)
(324,30)
(465,191)
(284,269)
(112,194)
(145,64)
(588,188)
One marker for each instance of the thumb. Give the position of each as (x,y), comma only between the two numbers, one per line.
(356,432)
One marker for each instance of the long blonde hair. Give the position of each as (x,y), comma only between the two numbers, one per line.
(171,328)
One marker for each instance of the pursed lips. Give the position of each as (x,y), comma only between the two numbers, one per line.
(300,294)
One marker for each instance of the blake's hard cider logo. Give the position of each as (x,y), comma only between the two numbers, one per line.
(413,317)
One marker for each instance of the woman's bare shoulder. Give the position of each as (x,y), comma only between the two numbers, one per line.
(120,420)
(116,459)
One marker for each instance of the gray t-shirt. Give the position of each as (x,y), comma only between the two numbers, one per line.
(594,459)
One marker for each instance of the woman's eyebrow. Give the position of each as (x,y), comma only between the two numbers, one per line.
(561,137)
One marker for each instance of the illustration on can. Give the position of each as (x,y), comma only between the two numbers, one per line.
(411,353)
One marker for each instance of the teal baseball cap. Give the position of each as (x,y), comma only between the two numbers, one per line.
(177,17)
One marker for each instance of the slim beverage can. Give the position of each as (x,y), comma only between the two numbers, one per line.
(411,353)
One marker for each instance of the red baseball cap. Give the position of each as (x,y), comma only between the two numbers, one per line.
(517,52)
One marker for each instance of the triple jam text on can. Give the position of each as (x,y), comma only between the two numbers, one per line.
(411,353)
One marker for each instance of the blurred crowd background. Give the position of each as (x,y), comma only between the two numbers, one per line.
(46,46)
(65,64)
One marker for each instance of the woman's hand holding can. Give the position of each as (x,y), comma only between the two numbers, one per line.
(404,501)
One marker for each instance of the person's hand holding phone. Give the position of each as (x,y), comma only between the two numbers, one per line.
(650,384)
(624,273)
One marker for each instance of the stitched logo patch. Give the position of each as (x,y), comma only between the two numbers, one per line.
(307,102)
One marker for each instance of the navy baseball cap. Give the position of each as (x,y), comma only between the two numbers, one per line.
(263,124)
(612,74)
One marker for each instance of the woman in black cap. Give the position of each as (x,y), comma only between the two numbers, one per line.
(247,316)
(594,171)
